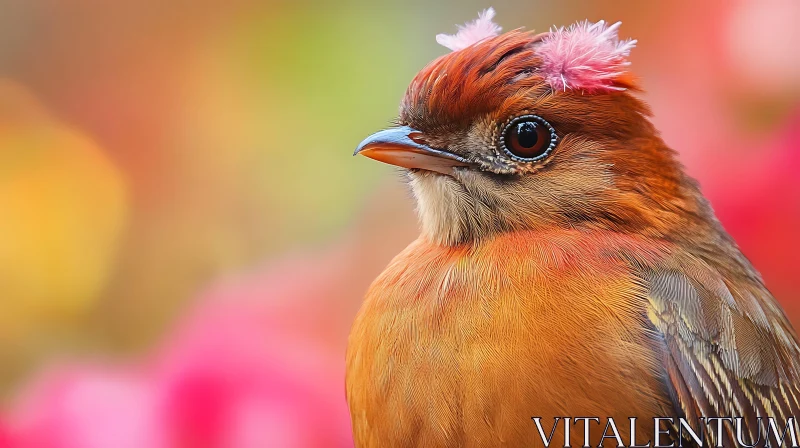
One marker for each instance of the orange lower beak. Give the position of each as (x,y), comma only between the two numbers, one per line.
(397,147)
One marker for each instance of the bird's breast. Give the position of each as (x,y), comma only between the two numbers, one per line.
(462,346)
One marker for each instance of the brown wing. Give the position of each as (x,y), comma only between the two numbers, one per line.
(729,349)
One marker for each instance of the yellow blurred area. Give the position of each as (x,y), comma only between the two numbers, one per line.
(62,209)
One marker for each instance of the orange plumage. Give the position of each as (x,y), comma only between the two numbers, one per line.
(567,267)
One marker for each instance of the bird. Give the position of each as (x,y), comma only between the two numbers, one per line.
(567,266)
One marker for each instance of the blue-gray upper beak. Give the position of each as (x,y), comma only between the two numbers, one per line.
(400,146)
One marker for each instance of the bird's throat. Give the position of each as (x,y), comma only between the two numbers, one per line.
(449,214)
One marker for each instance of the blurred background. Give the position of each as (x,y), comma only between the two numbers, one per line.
(185,238)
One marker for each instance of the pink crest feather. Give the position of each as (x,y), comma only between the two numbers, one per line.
(586,56)
(472,32)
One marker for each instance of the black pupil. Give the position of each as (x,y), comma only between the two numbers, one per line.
(527,135)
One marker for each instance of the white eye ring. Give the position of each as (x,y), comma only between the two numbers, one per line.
(542,146)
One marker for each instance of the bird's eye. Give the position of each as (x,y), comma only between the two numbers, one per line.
(528,138)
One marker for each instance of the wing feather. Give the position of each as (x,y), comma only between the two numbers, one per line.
(730,349)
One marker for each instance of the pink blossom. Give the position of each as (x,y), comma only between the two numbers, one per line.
(471,33)
(229,379)
(584,56)
(232,374)
(87,406)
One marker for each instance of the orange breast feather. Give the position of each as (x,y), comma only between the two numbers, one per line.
(461,346)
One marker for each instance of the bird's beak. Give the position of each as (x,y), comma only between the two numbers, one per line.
(403,147)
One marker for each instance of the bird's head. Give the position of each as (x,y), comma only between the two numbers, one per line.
(522,131)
